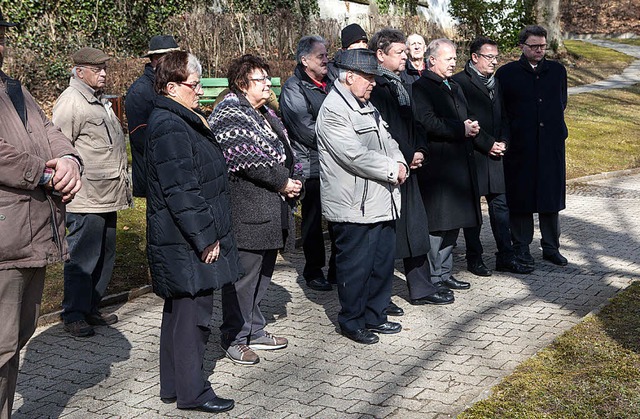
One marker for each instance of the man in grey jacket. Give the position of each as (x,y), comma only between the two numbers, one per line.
(361,169)
(86,117)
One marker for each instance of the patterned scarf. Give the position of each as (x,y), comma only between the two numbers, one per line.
(489,82)
(396,85)
(247,138)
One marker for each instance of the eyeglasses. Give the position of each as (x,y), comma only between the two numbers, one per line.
(490,57)
(262,79)
(195,86)
(537,46)
(96,70)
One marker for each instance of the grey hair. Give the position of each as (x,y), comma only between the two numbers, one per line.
(74,72)
(434,47)
(306,44)
(342,75)
(193,65)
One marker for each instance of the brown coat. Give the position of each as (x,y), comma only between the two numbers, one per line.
(96,133)
(31,220)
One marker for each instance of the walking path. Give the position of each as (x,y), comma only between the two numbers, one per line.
(629,77)
(445,359)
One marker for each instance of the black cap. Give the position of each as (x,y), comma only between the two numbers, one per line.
(352,34)
(362,60)
(5,23)
(161,44)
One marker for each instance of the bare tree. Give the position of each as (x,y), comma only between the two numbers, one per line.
(547,14)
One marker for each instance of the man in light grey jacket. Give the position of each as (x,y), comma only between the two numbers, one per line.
(86,117)
(361,168)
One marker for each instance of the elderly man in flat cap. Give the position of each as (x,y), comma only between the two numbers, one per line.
(39,173)
(138,105)
(361,168)
(86,117)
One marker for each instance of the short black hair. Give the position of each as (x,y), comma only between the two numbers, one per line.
(384,38)
(477,44)
(531,30)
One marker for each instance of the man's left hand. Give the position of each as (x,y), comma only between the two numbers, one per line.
(67,177)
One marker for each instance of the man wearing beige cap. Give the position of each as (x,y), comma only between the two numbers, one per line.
(39,173)
(138,105)
(86,117)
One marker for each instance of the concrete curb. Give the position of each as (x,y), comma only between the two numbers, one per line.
(605,175)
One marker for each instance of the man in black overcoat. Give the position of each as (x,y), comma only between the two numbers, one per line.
(483,95)
(391,98)
(449,183)
(535,97)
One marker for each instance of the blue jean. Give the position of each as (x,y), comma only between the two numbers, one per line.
(92,251)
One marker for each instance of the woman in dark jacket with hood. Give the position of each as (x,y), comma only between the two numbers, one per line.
(191,247)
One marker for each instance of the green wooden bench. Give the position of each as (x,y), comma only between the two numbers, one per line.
(214,86)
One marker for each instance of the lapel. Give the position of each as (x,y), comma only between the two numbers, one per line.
(14,91)
(475,80)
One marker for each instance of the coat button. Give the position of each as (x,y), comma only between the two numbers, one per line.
(28,173)
(540,100)
(542,124)
(2,217)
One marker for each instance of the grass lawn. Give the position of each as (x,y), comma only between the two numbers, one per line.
(587,63)
(591,371)
(629,41)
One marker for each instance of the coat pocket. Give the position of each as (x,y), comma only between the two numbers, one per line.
(15,228)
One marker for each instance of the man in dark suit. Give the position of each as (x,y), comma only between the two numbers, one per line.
(391,99)
(448,185)
(534,90)
(483,95)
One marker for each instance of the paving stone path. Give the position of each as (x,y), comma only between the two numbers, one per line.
(445,359)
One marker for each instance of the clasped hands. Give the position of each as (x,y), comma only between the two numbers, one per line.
(471,128)
(66,178)
(292,189)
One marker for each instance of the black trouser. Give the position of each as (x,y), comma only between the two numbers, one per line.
(312,235)
(183,339)
(499,220)
(364,268)
(416,270)
(522,232)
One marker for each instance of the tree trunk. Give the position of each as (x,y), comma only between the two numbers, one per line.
(547,14)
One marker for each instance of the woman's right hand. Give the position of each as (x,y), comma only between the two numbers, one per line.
(292,188)
(211,253)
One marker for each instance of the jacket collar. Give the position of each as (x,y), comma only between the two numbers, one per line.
(410,69)
(188,115)
(475,79)
(149,71)
(542,66)
(351,100)
(430,75)
(85,90)
(304,77)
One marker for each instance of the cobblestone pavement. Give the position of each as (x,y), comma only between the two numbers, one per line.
(445,359)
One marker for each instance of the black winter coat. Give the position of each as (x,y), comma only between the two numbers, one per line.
(534,164)
(493,128)
(449,181)
(139,102)
(188,204)
(410,74)
(412,231)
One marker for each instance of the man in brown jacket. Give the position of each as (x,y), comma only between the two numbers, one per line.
(39,173)
(86,117)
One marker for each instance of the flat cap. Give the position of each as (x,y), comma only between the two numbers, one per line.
(88,55)
(362,60)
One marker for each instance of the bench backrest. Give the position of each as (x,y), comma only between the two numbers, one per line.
(214,86)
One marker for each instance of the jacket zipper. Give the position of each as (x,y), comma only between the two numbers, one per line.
(364,195)
(54,230)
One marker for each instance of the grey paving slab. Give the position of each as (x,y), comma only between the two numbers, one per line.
(445,359)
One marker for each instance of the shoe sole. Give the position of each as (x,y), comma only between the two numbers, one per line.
(263,347)
(514,272)
(384,332)
(360,342)
(239,361)
(421,303)
(479,274)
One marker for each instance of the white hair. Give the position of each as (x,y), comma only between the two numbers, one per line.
(342,75)
(193,65)
(434,47)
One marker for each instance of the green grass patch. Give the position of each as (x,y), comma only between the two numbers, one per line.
(603,131)
(628,41)
(587,63)
(591,371)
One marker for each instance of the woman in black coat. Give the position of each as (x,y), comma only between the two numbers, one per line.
(190,244)
(263,175)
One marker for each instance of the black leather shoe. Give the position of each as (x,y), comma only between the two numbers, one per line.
(442,288)
(454,284)
(556,259)
(525,259)
(478,268)
(513,266)
(319,284)
(361,336)
(439,298)
(168,400)
(217,405)
(386,328)
(393,310)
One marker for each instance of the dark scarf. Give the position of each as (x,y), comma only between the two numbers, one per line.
(396,85)
(489,82)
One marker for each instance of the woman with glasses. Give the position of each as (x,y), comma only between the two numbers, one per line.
(190,244)
(264,178)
